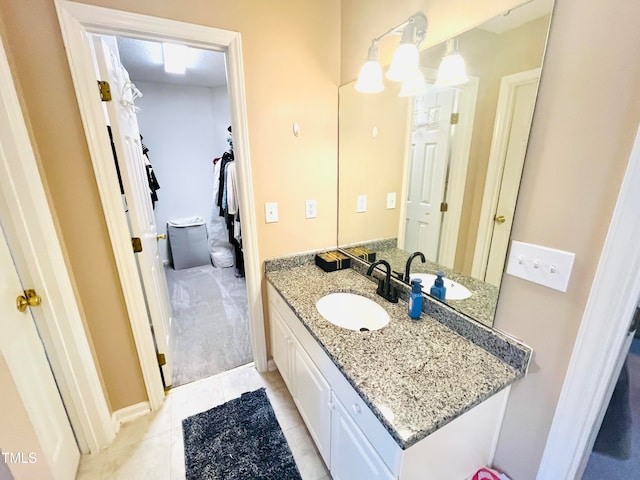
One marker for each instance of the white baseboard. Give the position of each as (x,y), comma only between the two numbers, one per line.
(128,414)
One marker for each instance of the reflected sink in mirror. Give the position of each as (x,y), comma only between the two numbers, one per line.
(455,291)
(353,312)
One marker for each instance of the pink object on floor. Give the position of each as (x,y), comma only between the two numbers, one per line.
(488,474)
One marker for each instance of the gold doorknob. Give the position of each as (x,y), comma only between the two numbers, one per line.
(161,236)
(29,299)
(499,219)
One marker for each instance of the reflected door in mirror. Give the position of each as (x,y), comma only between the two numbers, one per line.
(430,137)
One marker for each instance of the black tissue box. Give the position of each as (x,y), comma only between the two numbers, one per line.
(332,261)
(363,253)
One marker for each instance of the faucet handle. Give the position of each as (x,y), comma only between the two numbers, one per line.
(393,294)
(399,275)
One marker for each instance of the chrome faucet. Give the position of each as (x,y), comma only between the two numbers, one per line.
(407,268)
(385,289)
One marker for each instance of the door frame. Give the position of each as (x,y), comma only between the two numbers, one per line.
(76,20)
(35,246)
(595,362)
(495,167)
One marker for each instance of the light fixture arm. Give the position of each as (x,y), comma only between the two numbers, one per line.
(417,20)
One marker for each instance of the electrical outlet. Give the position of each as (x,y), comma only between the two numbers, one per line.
(391,200)
(541,265)
(310,209)
(271,212)
(362,204)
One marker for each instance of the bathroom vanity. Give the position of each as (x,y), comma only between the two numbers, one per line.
(415,399)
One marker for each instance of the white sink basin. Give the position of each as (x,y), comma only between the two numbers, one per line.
(455,291)
(351,311)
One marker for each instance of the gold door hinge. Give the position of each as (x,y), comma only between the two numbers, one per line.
(454,118)
(105,91)
(162,360)
(136,243)
(444,206)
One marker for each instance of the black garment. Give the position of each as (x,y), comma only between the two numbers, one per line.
(153,184)
(237,246)
(115,159)
(226,158)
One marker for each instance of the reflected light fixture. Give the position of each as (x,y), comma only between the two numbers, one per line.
(405,63)
(413,87)
(452,69)
(175,58)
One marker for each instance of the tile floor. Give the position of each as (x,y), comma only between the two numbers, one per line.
(152,446)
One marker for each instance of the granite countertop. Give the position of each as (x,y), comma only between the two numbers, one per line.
(415,375)
(481,306)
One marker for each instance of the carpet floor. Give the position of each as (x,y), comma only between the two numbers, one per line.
(240,439)
(210,325)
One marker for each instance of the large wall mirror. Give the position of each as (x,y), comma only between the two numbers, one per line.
(439,172)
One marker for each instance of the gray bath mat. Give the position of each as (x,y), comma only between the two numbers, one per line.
(240,439)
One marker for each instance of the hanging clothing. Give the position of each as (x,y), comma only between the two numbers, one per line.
(153,181)
(226,158)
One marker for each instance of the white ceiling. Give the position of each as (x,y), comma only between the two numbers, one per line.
(143,60)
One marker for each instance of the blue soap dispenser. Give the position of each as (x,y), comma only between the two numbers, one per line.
(438,289)
(415,299)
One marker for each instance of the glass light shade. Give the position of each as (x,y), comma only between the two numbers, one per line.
(413,87)
(405,63)
(452,71)
(370,78)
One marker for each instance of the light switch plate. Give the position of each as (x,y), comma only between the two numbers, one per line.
(310,209)
(362,204)
(391,200)
(541,265)
(271,212)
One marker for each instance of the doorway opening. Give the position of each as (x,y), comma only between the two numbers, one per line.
(186,139)
(78,22)
(616,452)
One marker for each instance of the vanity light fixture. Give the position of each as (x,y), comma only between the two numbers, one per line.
(452,69)
(370,77)
(405,62)
(175,58)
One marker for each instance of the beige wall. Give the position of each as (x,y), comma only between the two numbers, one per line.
(291,61)
(518,53)
(587,113)
(369,165)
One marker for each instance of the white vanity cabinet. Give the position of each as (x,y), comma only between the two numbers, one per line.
(309,389)
(352,441)
(352,456)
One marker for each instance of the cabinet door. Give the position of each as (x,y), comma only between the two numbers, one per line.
(281,346)
(352,456)
(313,397)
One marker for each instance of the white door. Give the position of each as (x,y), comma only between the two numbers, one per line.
(126,137)
(428,171)
(30,406)
(516,146)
